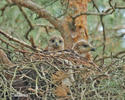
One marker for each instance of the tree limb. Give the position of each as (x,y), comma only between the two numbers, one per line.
(16,40)
(41,12)
(59,25)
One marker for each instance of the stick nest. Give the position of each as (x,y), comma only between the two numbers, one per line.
(62,75)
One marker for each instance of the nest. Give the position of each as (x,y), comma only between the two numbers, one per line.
(62,75)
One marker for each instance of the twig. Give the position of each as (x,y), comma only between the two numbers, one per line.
(103,26)
(94,5)
(104,37)
(104,13)
(8,43)
(16,40)
(28,21)
(41,12)
(114,56)
(4,8)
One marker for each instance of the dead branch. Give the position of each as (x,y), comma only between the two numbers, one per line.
(17,40)
(113,56)
(104,37)
(8,43)
(104,13)
(28,21)
(4,8)
(41,12)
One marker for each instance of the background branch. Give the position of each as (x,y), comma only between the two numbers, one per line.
(28,21)
(41,12)
(16,40)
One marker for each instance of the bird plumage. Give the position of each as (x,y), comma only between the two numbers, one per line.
(82,47)
(55,43)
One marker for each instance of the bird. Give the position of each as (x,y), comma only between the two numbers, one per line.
(55,43)
(83,47)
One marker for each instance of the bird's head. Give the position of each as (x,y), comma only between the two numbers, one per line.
(83,47)
(56,43)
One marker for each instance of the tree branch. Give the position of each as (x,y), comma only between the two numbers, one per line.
(16,40)
(28,21)
(41,12)
(59,25)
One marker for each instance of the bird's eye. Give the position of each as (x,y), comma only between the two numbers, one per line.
(52,41)
(60,41)
(85,45)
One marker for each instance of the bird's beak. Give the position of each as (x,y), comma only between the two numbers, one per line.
(56,44)
(93,49)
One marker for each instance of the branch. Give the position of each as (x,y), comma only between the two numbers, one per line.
(41,12)
(4,8)
(113,56)
(120,7)
(94,5)
(104,36)
(93,14)
(28,21)
(16,40)
(13,46)
(107,12)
